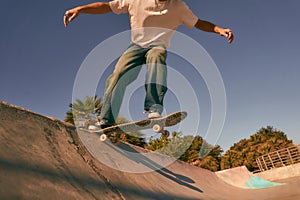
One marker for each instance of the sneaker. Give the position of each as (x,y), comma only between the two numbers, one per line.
(93,128)
(153,115)
(102,125)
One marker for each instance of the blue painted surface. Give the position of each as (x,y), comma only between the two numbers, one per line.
(256,182)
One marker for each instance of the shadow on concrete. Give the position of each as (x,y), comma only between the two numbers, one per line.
(124,149)
(75,179)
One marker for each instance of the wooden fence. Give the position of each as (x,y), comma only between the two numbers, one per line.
(280,158)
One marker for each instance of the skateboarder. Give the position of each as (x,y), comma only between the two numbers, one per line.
(152,24)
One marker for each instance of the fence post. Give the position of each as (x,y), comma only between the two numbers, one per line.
(282,164)
(290,155)
(271,161)
(259,164)
(265,163)
(298,153)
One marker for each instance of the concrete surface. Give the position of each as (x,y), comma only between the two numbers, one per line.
(43,158)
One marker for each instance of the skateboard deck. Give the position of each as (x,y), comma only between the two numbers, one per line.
(156,124)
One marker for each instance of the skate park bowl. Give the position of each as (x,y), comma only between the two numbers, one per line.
(44,158)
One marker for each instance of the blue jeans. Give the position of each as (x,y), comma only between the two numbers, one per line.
(126,71)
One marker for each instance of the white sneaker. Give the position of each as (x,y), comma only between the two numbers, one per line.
(102,125)
(153,115)
(93,128)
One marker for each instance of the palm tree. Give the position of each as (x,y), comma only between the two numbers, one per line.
(69,115)
(84,111)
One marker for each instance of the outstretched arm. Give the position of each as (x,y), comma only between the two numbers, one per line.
(93,8)
(210,27)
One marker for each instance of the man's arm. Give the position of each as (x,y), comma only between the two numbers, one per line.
(93,8)
(210,27)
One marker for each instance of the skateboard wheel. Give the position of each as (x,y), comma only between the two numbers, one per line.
(157,128)
(166,134)
(103,137)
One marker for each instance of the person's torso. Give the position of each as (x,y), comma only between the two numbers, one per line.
(154,13)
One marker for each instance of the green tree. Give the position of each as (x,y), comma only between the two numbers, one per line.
(85,110)
(188,149)
(69,115)
(203,155)
(245,152)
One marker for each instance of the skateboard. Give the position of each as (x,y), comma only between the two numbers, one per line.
(157,125)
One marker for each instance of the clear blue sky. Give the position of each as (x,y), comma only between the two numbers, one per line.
(260,70)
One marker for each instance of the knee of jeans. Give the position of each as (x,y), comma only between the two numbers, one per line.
(156,54)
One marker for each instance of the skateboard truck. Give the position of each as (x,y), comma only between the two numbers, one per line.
(160,129)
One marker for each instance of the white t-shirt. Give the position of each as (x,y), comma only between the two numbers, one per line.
(153,22)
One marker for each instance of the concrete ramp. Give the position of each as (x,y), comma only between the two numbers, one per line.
(43,158)
(241,177)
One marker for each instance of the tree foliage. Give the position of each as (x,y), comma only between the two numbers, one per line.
(85,110)
(246,151)
(196,151)
(188,149)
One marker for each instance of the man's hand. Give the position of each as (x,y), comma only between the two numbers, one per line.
(70,15)
(210,27)
(93,8)
(227,33)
